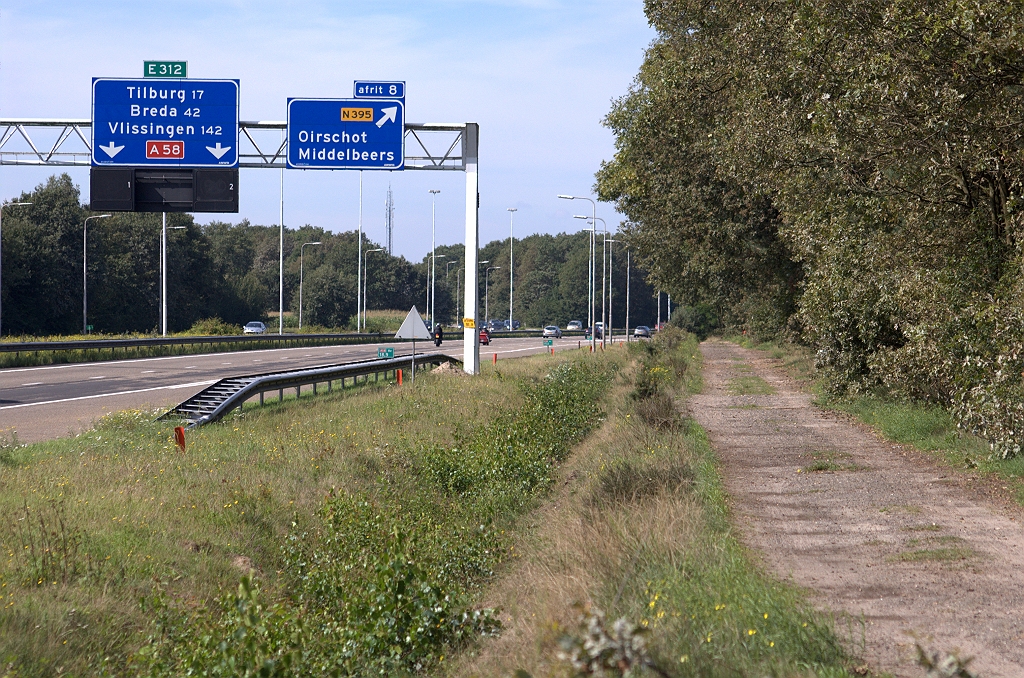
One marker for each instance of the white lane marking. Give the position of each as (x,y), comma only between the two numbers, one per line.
(33,383)
(190,367)
(225,363)
(108,395)
(148,371)
(99,377)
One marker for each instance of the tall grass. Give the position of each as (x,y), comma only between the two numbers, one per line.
(640,530)
(347,518)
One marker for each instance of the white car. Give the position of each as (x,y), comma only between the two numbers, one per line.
(255,327)
(552,331)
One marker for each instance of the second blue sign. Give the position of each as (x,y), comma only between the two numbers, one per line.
(346,134)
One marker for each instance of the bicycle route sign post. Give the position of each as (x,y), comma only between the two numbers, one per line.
(164,122)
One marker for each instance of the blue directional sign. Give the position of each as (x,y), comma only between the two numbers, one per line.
(366,134)
(165,123)
(376,89)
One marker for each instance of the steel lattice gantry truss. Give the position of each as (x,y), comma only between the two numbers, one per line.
(67,143)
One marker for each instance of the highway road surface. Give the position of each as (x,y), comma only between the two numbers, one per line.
(42,403)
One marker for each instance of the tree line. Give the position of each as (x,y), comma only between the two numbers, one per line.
(230,271)
(844,174)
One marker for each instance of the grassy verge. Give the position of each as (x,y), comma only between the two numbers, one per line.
(638,529)
(927,428)
(361,526)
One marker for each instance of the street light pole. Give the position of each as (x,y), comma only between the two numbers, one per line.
(303,247)
(627,294)
(611,272)
(511,264)
(458,290)
(604,270)
(163,272)
(482,263)
(359,252)
(366,278)
(433,254)
(486,291)
(593,247)
(2,206)
(85,269)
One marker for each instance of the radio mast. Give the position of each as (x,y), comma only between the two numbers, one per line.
(389,221)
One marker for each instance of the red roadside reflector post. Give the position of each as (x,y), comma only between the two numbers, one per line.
(399,377)
(494,358)
(179,437)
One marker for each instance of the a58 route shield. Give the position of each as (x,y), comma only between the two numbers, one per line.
(365,134)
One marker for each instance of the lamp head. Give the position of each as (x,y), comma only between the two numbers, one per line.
(566,197)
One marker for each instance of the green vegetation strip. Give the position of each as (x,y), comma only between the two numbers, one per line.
(710,610)
(361,528)
(648,532)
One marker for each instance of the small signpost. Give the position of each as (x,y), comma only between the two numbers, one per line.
(549,342)
(375,89)
(469,323)
(387,352)
(165,69)
(413,328)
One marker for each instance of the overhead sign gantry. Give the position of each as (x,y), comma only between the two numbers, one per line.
(73,143)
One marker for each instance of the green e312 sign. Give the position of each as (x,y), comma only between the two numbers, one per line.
(165,69)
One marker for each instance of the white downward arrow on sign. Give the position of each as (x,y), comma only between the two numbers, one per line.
(111,150)
(389,114)
(218,150)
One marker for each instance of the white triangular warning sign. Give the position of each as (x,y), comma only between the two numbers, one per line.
(413,327)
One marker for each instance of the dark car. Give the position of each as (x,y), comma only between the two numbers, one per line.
(642,331)
(496,325)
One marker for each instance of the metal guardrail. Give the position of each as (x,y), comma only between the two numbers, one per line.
(251,339)
(215,401)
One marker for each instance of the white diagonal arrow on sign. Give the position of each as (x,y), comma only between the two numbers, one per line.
(218,150)
(111,150)
(389,114)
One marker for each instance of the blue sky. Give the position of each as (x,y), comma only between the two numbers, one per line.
(538,75)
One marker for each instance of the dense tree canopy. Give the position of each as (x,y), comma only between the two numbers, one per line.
(230,271)
(849,172)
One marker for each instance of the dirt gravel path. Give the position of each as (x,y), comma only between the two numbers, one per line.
(869,530)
